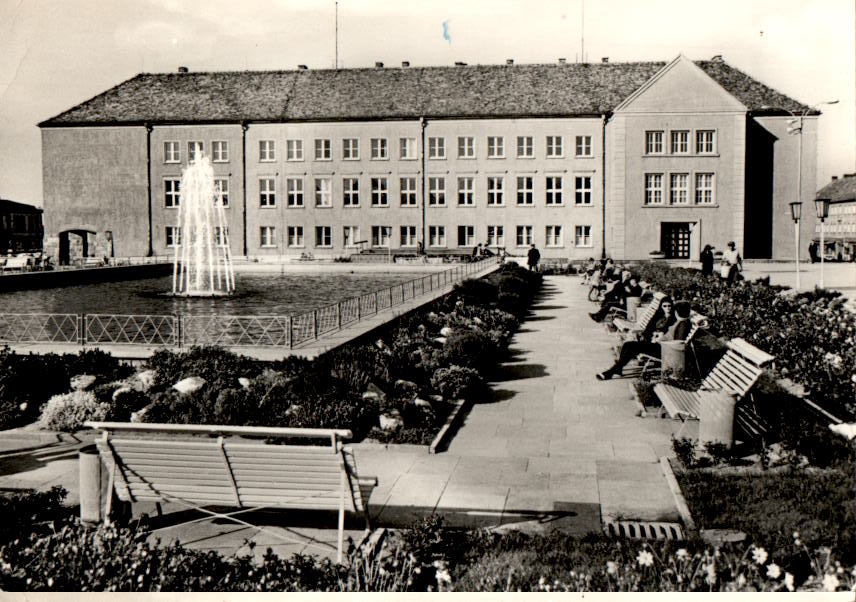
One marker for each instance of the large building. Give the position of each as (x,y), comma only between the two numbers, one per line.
(839,228)
(579,159)
(20,227)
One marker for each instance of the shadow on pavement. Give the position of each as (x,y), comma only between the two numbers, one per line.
(35,458)
(518,372)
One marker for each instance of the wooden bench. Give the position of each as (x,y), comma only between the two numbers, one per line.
(18,263)
(644,316)
(736,372)
(206,465)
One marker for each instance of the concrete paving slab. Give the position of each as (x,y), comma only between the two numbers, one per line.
(476,496)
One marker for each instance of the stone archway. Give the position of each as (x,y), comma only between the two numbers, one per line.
(75,244)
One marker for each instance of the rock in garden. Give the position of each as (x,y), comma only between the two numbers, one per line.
(441,340)
(374,392)
(406,388)
(189,385)
(445,331)
(436,398)
(422,403)
(244,382)
(146,379)
(391,421)
(82,382)
(121,390)
(139,414)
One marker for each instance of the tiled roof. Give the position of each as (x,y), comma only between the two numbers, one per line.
(842,189)
(379,93)
(6,206)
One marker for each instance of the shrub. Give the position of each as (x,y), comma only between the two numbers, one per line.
(125,403)
(478,292)
(32,512)
(27,382)
(69,411)
(456,382)
(97,363)
(469,349)
(214,364)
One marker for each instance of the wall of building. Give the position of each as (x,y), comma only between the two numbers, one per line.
(95,179)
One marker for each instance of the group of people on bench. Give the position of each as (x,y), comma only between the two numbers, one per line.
(620,286)
(670,323)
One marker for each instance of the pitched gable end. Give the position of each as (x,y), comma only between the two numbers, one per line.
(681,87)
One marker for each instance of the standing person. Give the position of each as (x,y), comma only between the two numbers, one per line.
(812,251)
(532,258)
(476,252)
(732,263)
(706,257)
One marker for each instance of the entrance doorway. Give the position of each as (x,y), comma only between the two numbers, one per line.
(675,239)
(73,248)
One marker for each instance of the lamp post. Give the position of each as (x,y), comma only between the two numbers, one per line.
(796,208)
(822,208)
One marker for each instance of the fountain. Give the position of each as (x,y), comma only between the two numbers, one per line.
(202,266)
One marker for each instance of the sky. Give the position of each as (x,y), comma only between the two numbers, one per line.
(55,54)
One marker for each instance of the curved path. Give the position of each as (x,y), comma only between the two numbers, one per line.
(554,447)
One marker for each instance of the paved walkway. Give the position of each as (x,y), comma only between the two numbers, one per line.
(553,448)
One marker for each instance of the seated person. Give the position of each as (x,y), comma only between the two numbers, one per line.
(613,297)
(634,289)
(670,327)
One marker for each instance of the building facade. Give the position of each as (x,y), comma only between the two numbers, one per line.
(839,228)
(581,160)
(20,227)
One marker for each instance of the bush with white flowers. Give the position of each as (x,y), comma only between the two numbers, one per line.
(69,411)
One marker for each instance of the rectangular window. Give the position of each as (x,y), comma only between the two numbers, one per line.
(466,147)
(583,146)
(437,236)
(351,192)
(294,150)
(654,142)
(294,191)
(295,236)
(680,142)
(525,149)
(267,192)
(554,146)
(323,149)
(172,236)
(351,235)
(267,151)
(193,149)
(436,148)
(407,236)
(221,191)
(653,189)
(267,236)
(466,191)
(704,193)
(379,149)
(495,236)
(582,190)
(221,235)
(380,236)
(582,236)
(705,142)
(678,189)
(408,192)
(553,190)
(553,236)
(220,151)
(524,236)
(495,191)
(171,192)
(324,192)
(407,148)
(524,190)
(380,192)
(437,191)
(466,236)
(171,152)
(495,147)
(323,236)
(350,149)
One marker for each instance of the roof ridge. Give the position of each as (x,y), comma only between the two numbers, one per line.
(80,104)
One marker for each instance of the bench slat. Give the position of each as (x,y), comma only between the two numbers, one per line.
(749,351)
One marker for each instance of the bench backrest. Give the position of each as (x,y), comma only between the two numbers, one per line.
(17,263)
(644,317)
(738,370)
(220,466)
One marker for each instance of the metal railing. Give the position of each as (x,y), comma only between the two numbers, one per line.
(187,330)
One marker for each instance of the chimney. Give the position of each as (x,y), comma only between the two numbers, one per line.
(717,58)
(378,65)
(183,70)
(834,178)
(604,59)
(562,61)
(509,62)
(405,64)
(460,64)
(302,67)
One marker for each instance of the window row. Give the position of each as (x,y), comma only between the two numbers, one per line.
(679,193)
(379,148)
(704,142)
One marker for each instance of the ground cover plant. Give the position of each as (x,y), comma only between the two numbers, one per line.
(57,553)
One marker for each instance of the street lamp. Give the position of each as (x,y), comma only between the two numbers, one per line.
(822,208)
(796,208)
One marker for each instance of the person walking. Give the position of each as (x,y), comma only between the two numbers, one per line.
(706,258)
(533,257)
(732,264)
